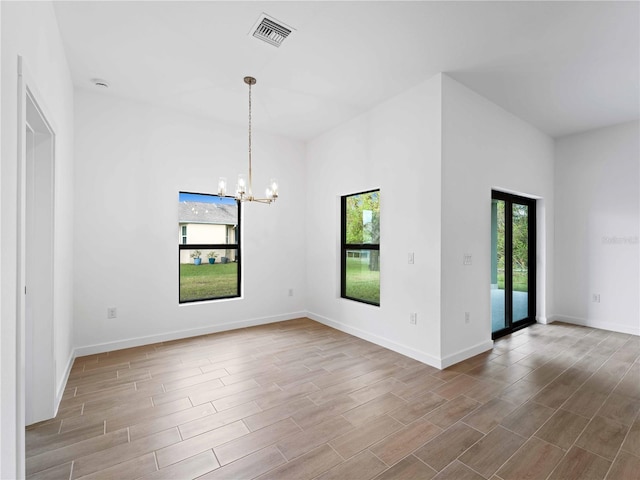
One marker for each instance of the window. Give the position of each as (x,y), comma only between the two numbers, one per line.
(360,245)
(209,258)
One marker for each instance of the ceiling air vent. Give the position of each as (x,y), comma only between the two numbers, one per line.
(270,30)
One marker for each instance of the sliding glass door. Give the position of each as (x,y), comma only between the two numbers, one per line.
(513,220)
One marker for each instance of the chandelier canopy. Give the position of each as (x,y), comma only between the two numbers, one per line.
(244,190)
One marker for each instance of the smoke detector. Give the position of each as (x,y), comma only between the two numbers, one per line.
(270,30)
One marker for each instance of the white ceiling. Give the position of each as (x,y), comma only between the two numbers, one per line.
(564,67)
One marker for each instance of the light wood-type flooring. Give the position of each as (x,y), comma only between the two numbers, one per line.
(298,400)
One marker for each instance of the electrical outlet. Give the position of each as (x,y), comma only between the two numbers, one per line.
(112,312)
(413,318)
(467,259)
(595,298)
(291,292)
(467,317)
(410,258)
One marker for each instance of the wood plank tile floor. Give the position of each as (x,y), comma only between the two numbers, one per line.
(298,400)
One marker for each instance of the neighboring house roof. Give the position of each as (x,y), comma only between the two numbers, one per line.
(196,212)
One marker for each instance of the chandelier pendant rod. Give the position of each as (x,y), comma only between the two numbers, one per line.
(250,81)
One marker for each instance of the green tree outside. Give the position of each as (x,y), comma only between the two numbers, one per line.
(363,223)
(520,241)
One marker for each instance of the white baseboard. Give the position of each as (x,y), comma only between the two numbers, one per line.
(466,353)
(179,334)
(378,340)
(602,325)
(544,320)
(63,382)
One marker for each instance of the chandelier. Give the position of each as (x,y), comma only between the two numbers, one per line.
(244,190)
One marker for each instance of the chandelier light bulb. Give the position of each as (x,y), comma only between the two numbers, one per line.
(222,187)
(241,188)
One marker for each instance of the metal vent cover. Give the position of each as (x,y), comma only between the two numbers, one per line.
(270,30)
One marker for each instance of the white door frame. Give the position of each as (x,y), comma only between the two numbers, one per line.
(34,181)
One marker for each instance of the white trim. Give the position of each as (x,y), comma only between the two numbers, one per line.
(180,334)
(3,452)
(599,324)
(466,353)
(63,382)
(378,340)
(20,273)
(544,320)
(28,92)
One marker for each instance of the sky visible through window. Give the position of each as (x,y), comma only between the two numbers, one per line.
(202,198)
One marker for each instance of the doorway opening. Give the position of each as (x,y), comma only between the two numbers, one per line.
(513,265)
(36,259)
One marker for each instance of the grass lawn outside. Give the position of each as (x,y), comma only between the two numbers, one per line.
(362,283)
(519,281)
(208,281)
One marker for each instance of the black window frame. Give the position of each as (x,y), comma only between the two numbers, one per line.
(216,246)
(345,247)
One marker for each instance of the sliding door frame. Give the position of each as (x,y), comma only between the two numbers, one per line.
(530,203)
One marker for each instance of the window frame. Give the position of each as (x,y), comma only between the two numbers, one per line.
(216,246)
(183,232)
(345,247)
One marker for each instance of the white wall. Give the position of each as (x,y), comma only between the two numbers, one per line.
(30,29)
(394,147)
(2,415)
(436,151)
(597,223)
(132,159)
(485,147)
